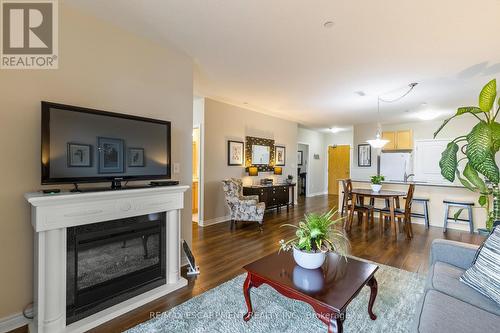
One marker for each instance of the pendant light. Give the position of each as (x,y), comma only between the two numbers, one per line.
(378,142)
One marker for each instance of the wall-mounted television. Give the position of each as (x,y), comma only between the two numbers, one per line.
(81,145)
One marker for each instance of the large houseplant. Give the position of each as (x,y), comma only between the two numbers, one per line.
(315,236)
(479,147)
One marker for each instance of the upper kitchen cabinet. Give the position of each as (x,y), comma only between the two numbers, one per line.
(398,140)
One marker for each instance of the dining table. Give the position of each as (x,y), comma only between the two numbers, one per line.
(391,198)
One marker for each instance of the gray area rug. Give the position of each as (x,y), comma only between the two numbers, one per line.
(221,309)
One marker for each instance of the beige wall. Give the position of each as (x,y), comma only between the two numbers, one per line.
(101,67)
(227,122)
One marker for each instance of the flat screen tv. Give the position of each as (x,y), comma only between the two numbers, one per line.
(81,145)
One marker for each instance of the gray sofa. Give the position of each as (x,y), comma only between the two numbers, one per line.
(449,305)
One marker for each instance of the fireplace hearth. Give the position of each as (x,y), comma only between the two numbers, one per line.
(110,262)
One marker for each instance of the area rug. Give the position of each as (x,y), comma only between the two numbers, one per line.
(221,309)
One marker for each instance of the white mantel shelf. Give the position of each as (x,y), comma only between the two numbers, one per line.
(52,214)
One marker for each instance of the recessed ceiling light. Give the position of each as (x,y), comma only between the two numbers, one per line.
(336,129)
(328,24)
(360,93)
(246,103)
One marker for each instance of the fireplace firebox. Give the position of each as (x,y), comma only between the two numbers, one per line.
(110,262)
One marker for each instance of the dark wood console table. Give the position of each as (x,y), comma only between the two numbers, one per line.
(274,196)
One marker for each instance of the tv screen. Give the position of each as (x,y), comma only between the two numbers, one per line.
(86,145)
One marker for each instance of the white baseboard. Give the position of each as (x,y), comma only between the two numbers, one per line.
(14,321)
(316,194)
(205,223)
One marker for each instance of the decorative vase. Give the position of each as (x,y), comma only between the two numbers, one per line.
(309,260)
(376,187)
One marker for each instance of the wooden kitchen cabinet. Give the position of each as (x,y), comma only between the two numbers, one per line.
(398,140)
(391,136)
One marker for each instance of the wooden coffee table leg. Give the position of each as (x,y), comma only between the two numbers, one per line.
(336,325)
(246,291)
(373,294)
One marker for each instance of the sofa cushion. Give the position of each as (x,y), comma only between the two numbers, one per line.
(484,275)
(446,279)
(442,313)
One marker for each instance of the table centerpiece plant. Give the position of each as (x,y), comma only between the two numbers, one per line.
(376,182)
(479,148)
(315,236)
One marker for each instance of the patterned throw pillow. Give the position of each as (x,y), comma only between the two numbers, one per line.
(484,275)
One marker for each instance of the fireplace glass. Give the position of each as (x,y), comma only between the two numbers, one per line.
(112,261)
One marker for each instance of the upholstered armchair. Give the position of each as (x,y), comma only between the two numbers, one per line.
(242,208)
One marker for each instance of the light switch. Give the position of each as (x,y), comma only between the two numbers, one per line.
(177,168)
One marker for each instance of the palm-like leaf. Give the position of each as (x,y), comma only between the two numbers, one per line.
(488,95)
(481,151)
(448,162)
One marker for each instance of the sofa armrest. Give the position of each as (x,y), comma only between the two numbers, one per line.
(454,253)
(250,197)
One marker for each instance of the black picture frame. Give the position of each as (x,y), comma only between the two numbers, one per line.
(84,150)
(363,149)
(111,155)
(300,157)
(132,163)
(280,151)
(230,145)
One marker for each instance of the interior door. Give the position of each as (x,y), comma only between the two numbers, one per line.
(339,163)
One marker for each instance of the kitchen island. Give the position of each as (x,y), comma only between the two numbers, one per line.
(436,193)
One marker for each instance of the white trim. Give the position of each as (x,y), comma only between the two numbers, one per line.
(14,321)
(316,194)
(215,220)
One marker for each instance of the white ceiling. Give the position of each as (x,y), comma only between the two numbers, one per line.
(276,57)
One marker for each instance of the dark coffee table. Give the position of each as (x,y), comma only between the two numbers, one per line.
(328,289)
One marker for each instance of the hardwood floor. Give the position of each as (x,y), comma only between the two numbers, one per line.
(221,252)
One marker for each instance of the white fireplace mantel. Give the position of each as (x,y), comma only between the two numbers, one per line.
(52,214)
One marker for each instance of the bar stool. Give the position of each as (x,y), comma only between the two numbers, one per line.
(461,205)
(425,214)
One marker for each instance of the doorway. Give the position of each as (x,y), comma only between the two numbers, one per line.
(196,173)
(339,165)
(302,169)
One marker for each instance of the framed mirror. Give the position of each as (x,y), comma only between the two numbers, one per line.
(259,152)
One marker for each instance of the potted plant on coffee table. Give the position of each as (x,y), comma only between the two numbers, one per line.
(478,150)
(376,182)
(315,236)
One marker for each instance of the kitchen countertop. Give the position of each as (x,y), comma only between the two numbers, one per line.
(417,183)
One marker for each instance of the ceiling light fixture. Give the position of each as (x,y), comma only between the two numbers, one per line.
(335,129)
(378,142)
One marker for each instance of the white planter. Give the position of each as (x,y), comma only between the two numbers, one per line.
(309,260)
(376,187)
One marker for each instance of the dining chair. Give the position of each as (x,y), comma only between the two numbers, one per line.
(365,212)
(401,215)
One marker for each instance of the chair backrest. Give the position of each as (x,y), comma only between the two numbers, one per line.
(232,189)
(347,184)
(409,198)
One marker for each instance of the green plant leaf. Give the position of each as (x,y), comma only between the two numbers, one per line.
(457,214)
(488,95)
(448,162)
(482,200)
(466,183)
(468,109)
(473,177)
(481,151)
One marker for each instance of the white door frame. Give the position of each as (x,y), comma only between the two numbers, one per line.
(308,176)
